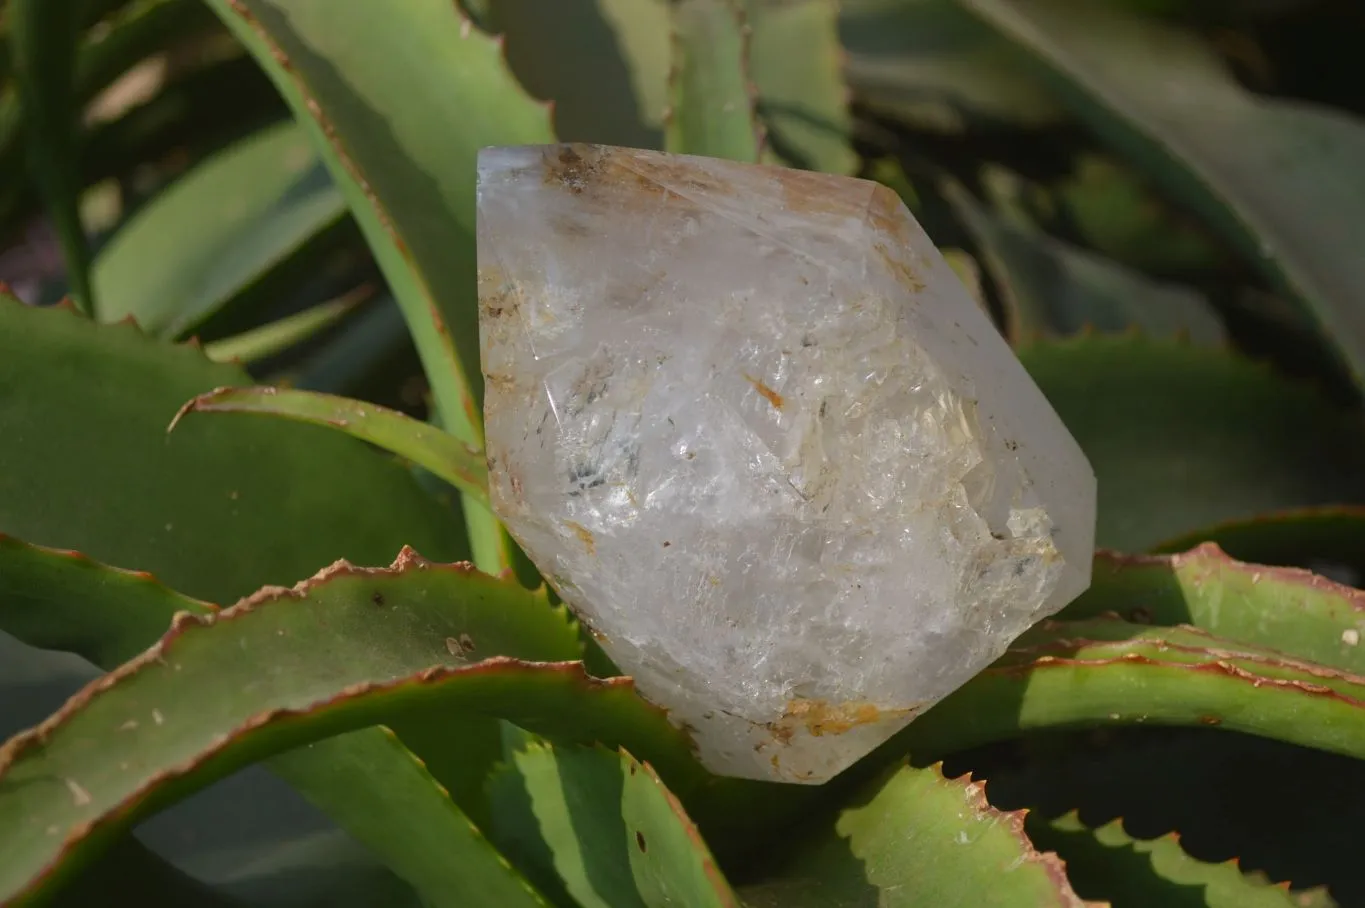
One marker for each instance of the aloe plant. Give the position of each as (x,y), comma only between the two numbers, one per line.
(263,642)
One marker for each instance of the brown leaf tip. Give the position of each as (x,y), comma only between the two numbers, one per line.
(199,402)
(410,559)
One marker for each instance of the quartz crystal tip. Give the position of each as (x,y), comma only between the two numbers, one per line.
(754,430)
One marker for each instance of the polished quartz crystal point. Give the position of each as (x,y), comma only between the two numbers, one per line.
(751,426)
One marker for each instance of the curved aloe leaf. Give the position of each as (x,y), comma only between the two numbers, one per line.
(63,802)
(602,827)
(63,600)
(1284,812)
(1298,536)
(430,448)
(367,357)
(1105,671)
(711,99)
(350,648)
(58,600)
(1107,863)
(1111,209)
(175,270)
(796,62)
(1286,609)
(389,799)
(1280,180)
(205,509)
(916,838)
(366,781)
(1158,419)
(927,64)
(43,35)
(604,64)
(1052,289)
(365,78)
(257,344)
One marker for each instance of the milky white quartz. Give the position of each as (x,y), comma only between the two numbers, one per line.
(757,434)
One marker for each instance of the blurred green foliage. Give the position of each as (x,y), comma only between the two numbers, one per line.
(1158,202)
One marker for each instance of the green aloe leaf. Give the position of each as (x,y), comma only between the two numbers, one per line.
(604,64)
(1104,671)
(1280,180)
(63,600)
(272,339)
(1286,609)
(366,781)
(365,78)
(610,80)
(916,838)
(372,785)
(370,357)
(176,270)
(349,648)
(1114,211)
(1283,812)
(215,510)
(1183,437)
(1052,289)
(1106,863)
(796,63)
(426,446)
(711,98)
(43,36)
(927,64)
(1304,537)
(602,827)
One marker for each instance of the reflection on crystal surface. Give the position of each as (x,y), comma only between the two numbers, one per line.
(758,435)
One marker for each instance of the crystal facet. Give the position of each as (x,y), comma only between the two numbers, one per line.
(757,434)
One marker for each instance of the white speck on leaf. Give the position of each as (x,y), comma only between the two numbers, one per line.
(1350,636)
(79,796)
(157,717)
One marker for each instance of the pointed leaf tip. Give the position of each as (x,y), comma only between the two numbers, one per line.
(439,452)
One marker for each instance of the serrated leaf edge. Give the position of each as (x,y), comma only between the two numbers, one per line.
(185,622)
(127,324)
(1013,822)
(474,830)
(1174,837)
